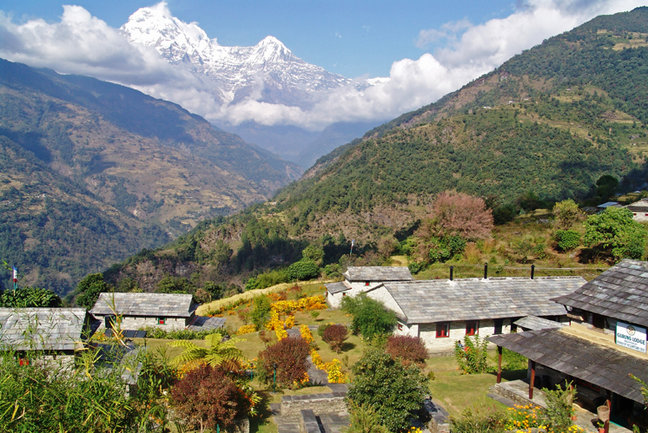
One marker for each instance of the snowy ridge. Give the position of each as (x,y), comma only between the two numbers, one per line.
(267,72)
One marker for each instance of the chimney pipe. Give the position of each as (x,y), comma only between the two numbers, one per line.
(451,273)
(485,271)
(532,271)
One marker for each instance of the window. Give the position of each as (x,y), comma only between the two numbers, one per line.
(498,326)
(400,326)
(161,320)
(472,327)
(442,330)
(366,283)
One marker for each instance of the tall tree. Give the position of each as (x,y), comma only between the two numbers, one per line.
(614,232)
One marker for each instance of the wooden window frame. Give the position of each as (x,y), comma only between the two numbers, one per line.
(443,330)
(475,329)
(161,320)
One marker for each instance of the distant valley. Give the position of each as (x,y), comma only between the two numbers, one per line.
(81,155)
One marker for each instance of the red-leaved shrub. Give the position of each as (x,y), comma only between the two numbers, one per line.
(290,356)
(335,335)
(408,349)
(207,397)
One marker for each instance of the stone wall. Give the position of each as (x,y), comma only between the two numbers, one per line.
(318,403)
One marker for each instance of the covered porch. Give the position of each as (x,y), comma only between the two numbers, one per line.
(601,374)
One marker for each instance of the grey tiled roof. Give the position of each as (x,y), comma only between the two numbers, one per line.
(602,366)
(334,288)
(621,292)
(534,323)
(432,301)
(638,206)
(144,304)
(42,328)
(378,273)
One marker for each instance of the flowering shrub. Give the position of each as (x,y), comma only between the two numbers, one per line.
(522,419)
(306,334)
(246,329)
(317,359)
(334,371)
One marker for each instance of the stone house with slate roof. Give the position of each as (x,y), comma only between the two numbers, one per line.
(639,210)
(55,334)
(169,311)
(360,279)
(441,312)
(604,344)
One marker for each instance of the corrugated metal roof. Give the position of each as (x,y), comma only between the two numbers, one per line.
(144,304)
(621,292)
(432,301)
(42,328)
(599,365)
(378,273)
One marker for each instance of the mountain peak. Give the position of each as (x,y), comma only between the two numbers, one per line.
(156,26)
(272,49)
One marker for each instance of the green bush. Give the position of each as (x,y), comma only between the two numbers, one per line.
(567,240)
(178,334)
(260,312)
(559,406)
(470,422)
(471,355)
(394,391)
(370,317)
(26,297)
(305,269)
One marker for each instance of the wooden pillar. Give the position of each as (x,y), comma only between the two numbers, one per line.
(499,364)
(608,402)
(532,380)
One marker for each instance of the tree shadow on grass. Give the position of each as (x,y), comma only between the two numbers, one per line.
(346,346)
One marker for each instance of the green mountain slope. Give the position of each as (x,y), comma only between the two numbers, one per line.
(119,161)
(546,124)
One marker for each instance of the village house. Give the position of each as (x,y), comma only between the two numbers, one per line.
(53,335)
(360,279)
(442,312)
(603,346)
(171,311)
(639,210)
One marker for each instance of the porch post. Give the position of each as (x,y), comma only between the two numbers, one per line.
(532,381)
(499,364)
(608,402)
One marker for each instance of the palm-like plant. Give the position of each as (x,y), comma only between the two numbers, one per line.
(216,350)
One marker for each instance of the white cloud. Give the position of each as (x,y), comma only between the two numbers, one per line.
(83,44)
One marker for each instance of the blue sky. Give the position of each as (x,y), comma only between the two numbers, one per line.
(406,53)
(352,38)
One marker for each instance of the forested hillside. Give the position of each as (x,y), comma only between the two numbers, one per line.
(92,172)
(545,126)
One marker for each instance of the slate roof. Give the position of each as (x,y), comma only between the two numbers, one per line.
(638,206)
(599,365)
(57,329)
(144,304)
(432,301)
(334,288)
(378,273)
(534,323)
(621,292)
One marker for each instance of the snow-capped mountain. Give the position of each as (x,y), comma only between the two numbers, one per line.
(266,72)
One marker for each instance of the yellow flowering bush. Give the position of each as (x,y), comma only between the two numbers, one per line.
(306,333)
(334,371)
(289,322)
(415,430)
(522,419)
(246,329)
(317,359)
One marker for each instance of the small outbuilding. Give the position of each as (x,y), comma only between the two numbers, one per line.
(639,210)
(49,334)
(170,311)
(360,279)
